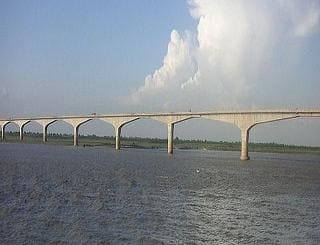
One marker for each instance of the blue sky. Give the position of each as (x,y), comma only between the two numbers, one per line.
(78,57)
(96,49)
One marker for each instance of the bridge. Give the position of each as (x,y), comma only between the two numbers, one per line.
(244,120)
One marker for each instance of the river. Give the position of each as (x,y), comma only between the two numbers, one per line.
(62,194)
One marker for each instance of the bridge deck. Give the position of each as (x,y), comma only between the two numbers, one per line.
(190,114)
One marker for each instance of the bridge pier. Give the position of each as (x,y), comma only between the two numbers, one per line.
(118,123)
(45,133)
(118,135)
(45,124)
(3,128)
(76,123)
(76,135)
(21,125)
(171,120)
(170,137)
(244,144)
(21,133)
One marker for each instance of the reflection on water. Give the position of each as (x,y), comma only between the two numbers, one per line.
(98,195)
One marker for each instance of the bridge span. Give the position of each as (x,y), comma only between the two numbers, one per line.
(244,120)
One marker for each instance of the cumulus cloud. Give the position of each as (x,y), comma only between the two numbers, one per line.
(178,65)
(220,65)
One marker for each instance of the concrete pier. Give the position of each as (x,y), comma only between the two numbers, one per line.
(21,124)
(3,129)
(45,124)
(118,135)
(44,133)
(3,132)
(76,123)
(170,137)
(244,144)
(76,135)
(118,122)
(21,133)
(171,120)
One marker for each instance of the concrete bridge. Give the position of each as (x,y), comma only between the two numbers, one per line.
(244,120)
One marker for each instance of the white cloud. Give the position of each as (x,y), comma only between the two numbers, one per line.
(178,65)
(220,65)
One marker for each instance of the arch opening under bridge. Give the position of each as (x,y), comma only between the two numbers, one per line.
(204,130)
(57,130)
(145,128)
(11,127)
(89,129)
(34,128)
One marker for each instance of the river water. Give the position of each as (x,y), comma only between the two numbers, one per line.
(62,194)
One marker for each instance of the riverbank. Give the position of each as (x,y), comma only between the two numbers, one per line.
(155,143)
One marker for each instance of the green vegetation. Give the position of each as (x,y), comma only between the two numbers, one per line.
(155,143)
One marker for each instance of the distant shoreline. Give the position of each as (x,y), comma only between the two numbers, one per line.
(155,143)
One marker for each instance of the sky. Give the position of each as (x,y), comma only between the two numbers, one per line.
(79,57)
